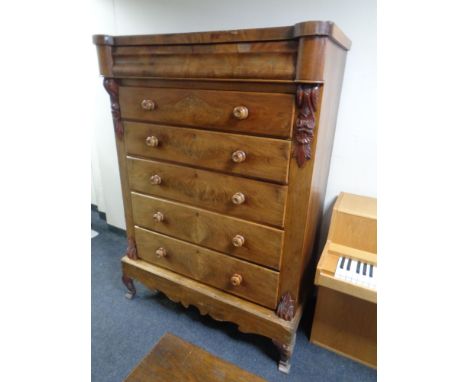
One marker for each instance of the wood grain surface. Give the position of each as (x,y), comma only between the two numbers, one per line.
(325,275)
(199,97)
(262,244)
(275,60)
(266,158)
(346,325)
(269,114)
(255,86)
(308,184)
(222,306)
(326,29)
(258,284)
(354,222)
(173,359)
(264,202)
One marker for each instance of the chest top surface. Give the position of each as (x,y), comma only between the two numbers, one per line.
(303,29)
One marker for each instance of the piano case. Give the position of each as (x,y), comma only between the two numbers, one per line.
(345,318)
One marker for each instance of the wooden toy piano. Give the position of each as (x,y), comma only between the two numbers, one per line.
(345,319)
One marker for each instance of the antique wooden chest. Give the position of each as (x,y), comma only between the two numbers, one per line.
(224,142)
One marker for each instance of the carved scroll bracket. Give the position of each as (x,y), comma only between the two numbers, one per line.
(112,87)
(307,101)
(131,249)
(286,307)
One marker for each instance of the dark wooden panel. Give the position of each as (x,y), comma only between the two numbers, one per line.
(265,158)
(305,28)
(268,114)
(262,244)
(257,284)
(173,359)
(275,60)
(264,202)
(222,306)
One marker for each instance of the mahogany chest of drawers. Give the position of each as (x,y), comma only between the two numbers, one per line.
(224,142)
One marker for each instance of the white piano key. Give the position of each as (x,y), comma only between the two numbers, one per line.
(354,275)
(339,271)
(362,280)
(349,263)
(365,275)
(374,281)
(345,270)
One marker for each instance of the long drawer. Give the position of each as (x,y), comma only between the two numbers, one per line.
(238,277)
(248,60)
(245,112)
(240,197)
(250,241)
(257,157)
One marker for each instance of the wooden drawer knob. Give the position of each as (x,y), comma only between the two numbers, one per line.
(240,112)
(238,241)
(148,104)
(238,156)
(155,179)
(158,216)
(152,141)
(160,253)
(236,279)
(238,198)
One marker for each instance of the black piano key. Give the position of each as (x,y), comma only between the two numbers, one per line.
(365,269)
(358,267)
(348,267)
(370,272)
(342,263)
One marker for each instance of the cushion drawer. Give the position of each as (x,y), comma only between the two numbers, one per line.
(260,244)
(240,197)
(268,114)
(265,158)
(248,60)
(257,284)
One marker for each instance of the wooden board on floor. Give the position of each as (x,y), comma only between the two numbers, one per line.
(173,359)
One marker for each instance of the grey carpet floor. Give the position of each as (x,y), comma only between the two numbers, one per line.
(123,330)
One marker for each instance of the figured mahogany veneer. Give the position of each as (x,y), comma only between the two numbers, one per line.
(257,284)
(267,114)
(263,202)
(262,158)
(261,245)
(173,359)
(224,142)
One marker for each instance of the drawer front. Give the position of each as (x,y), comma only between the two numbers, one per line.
(250,60)
(257,113)
(257,157)
(250,241)
(255,283)
(244,198)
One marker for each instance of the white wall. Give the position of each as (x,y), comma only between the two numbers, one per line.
(354,160)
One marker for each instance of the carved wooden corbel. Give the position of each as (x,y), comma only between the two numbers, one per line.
(307,102)
(286,307)
(131,249)
(112,87)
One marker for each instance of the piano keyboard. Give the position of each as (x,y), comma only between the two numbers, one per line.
(357,272)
